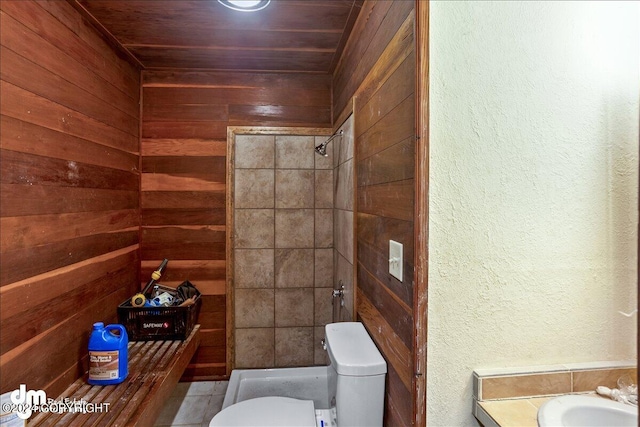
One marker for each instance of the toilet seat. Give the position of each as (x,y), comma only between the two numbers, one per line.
(268,411)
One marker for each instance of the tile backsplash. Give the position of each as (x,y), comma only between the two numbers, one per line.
(495,384)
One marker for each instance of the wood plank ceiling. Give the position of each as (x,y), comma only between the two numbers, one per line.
(288,36)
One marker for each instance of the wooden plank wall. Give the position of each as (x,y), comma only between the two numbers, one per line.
(378,68)
(69,190)
(184,135)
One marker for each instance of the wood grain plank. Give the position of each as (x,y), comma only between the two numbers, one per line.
(272,115)
(377,24)
(376,262)
(392,200)
(176,112)
(399,85)
(376,231)
(183,217)
(293,95)
(184,129)
(230,38)
(246,59)
(30,169)
(195,234)
(213,337)
(398,125)
(48,286)
(210,354)
(25,137)
(113,56)
(183,147)
(206,287)
(421,233)
(395,352)
(395,163)
(29,76)
(205,372)
(20,39)
(394,55)
(275,82)
(395,312)
(179,270)
(59,346)
(212,320)
(187,199)
(20,264)
(163,182)
(19,200)
(212,168)
(56,33)
(39,317)
(183,250)
(34,230)
(399,403)
(26,106)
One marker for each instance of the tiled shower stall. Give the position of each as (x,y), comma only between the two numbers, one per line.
(293,244)
(283,250)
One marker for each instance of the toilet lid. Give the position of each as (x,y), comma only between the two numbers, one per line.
(267,411)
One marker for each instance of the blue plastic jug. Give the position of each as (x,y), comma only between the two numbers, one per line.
(108,354)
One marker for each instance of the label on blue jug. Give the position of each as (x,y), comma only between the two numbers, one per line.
(103,365)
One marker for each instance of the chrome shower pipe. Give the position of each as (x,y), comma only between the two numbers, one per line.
(322,148)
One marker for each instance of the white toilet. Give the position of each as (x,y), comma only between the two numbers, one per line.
(356,389)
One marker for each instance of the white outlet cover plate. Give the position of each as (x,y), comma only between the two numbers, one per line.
(395,259)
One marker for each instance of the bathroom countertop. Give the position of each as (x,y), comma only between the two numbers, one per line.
(511,412)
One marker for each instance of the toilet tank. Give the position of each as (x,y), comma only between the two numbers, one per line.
(352,351)
(357,386)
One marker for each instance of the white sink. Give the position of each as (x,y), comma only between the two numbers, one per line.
(586,411)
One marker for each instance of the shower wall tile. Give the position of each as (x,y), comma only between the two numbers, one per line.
(254,228)
(255,348)
(323,268)
(324,228)
(294,347)
(254,308)
(292,268)
(294,228)
(254,268)
(344,150)
(344,275)
(343,230)
(324,189)
(254,151)
(294,307)
(295,188)
(254,188)
(295,152)
(343,271)
(344,186)
(324,162)
(323,307)
(320,356)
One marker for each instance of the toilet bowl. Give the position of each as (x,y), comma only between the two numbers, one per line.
(266,412)
(355,383)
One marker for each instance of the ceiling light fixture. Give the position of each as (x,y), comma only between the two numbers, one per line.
(245,5)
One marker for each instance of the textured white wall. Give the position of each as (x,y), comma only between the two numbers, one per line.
(533,189)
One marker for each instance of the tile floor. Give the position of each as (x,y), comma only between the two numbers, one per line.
(193,404)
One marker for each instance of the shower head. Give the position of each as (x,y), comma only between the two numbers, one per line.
(322,148)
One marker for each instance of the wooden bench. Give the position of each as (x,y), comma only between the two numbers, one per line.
(155,367)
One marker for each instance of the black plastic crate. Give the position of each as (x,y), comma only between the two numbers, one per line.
(159,323)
